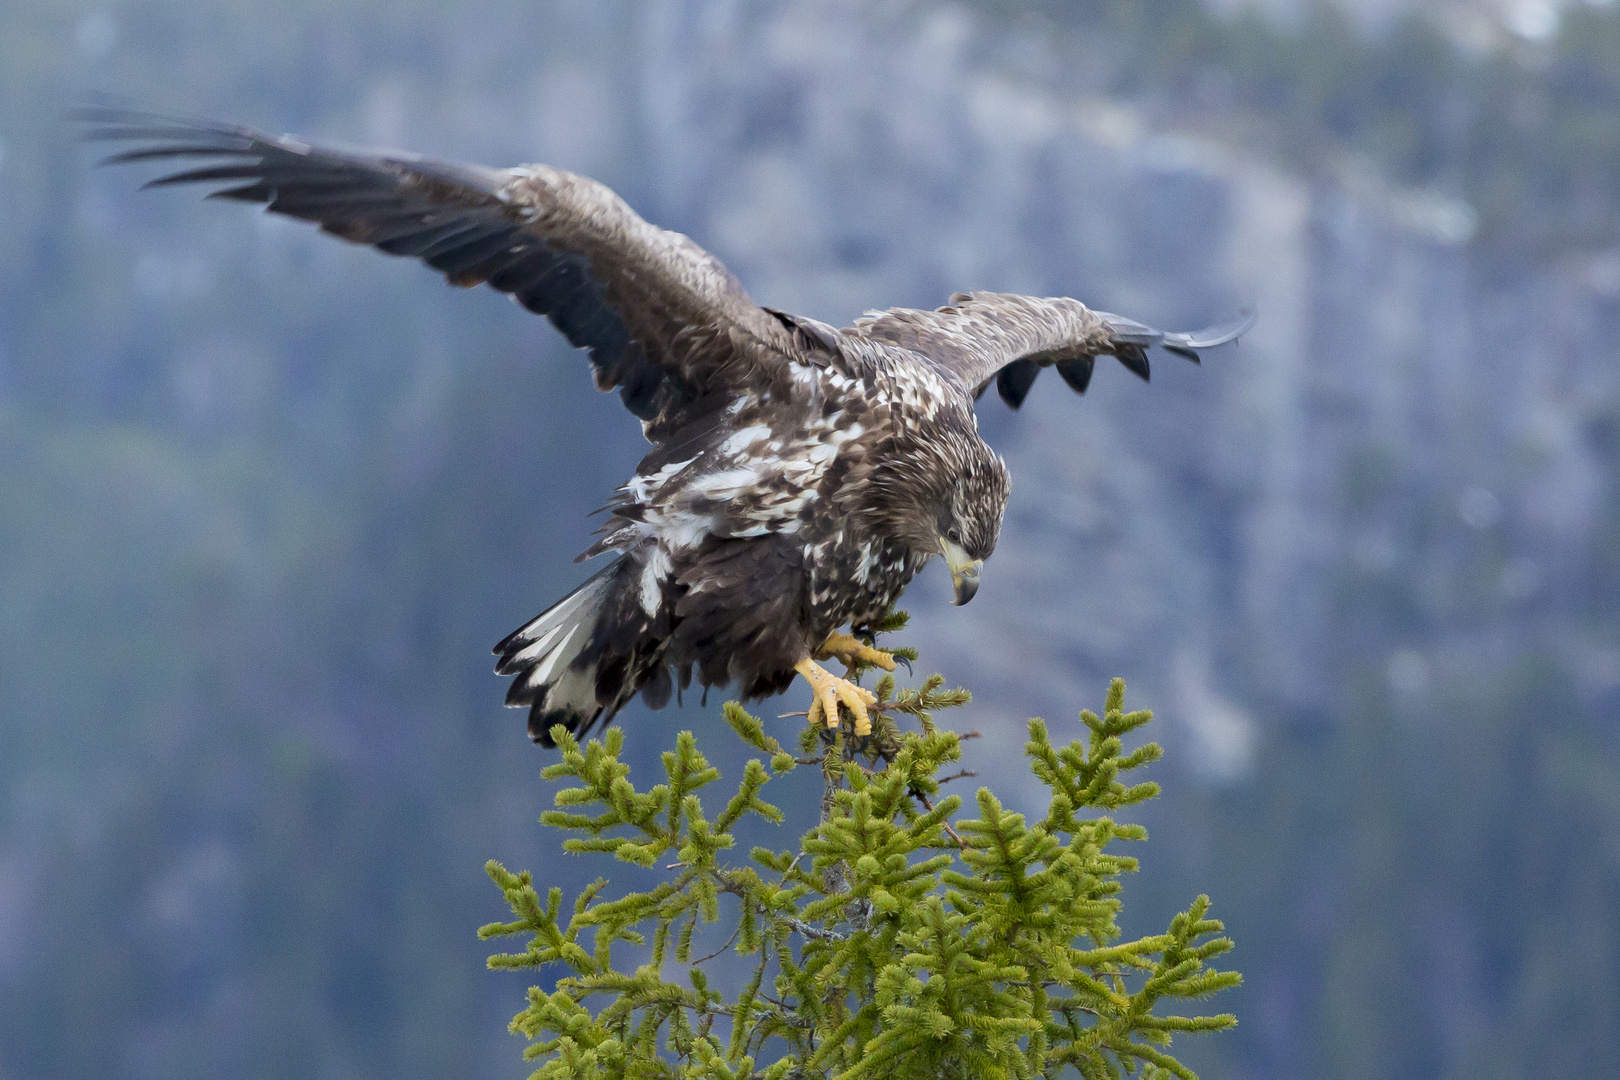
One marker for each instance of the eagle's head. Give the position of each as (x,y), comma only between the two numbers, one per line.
(969,520)
(941,490)
(937,488)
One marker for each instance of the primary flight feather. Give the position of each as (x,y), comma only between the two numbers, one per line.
(800,474)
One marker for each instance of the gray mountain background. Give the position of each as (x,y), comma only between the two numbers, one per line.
(266,500)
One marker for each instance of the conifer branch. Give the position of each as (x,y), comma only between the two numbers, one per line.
(895,940)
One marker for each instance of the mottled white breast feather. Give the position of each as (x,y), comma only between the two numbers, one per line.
(742,440)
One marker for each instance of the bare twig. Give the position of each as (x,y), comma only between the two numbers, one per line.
(732,941)
(809,931)
(928,805)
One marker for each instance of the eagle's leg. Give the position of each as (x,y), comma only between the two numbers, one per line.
(847,649)
(830,691)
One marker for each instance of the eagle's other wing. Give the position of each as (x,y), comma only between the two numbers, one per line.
(1006,337)
(661,317)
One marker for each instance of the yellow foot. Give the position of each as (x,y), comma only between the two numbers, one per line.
(830,691)
(847,649)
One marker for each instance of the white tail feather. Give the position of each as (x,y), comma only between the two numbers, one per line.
(542,654)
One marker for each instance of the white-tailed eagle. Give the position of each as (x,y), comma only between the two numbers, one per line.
(800,474)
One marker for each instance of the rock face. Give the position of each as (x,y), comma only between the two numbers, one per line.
(1208,535)
(1394,501)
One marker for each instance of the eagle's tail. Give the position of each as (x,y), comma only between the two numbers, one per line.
(581,659)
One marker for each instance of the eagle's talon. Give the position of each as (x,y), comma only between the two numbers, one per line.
(829,692)
(852,651)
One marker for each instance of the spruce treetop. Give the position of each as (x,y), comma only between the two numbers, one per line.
(896,938)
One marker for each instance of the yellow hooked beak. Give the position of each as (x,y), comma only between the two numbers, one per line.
(964,571)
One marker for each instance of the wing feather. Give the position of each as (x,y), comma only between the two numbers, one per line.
(661,318)
(1009,338)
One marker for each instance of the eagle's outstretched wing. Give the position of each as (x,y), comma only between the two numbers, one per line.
(662,318)
(1002,336)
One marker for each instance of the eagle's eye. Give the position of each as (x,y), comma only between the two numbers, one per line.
(954,535)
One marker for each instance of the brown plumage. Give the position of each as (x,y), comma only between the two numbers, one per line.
(800,474)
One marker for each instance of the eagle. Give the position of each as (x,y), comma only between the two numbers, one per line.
(799,475)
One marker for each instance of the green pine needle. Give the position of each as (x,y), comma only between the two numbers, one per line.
(893,939)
